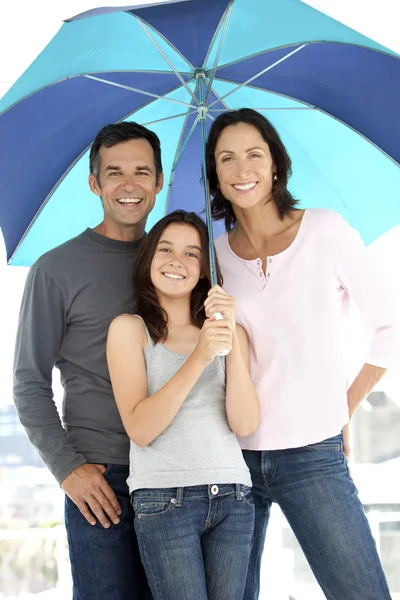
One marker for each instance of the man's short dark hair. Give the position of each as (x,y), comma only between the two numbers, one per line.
(116,133)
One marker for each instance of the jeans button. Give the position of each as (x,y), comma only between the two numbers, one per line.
(214,490)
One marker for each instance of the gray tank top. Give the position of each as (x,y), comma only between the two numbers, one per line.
(198,447)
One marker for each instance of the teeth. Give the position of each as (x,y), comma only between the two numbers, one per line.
(173,276)
(245,186)
(129,200)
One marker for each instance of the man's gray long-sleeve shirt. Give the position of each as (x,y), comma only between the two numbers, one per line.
(72,293)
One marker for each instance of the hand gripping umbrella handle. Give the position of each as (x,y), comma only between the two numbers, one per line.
(218,317)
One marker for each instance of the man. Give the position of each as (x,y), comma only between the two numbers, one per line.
(72,294)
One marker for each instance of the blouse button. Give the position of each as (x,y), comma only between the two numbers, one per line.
(268,274)
(260,274)
(270,260)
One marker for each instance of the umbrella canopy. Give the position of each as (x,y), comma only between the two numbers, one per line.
(333,95)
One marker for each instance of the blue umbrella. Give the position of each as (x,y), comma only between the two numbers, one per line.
(333,94)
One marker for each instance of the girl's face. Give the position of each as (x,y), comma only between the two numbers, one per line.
(176,265)
(244,166)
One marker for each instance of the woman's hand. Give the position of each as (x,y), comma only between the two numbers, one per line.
(219,301)
(215,335)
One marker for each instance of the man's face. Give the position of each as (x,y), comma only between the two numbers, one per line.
(127,183)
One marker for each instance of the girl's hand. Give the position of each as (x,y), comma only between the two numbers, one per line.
(219,301)
(215,335)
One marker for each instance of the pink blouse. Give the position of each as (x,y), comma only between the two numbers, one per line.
(295,317)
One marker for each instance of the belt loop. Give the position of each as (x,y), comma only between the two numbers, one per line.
(238,496)
(179,496)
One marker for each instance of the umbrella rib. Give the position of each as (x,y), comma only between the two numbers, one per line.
(132,89)
(261,89)
(219,100)
(182,148)
(271,108)
(165,57)
(193,112)
(149,26)
(171,178)
(272,49)
(277,62)
(225,20)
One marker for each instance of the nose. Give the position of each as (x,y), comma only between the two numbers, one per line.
(242,168)
(129,183)
(175,262)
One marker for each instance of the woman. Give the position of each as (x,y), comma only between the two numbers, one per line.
(181,408)
(292,272)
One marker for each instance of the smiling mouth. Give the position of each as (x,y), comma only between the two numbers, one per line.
(129,201)
(245,187)
(174,276)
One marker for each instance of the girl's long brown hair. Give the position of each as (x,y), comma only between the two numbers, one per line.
(148,306)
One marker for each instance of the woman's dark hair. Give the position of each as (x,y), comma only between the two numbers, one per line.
(115,133)
(148,306)
(222,208)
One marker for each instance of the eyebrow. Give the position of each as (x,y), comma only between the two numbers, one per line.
(139,168)
(191,246)
(248,150)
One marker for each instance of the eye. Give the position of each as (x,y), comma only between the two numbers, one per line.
(191,255)
(142,173)
(254,155)
(114,174)
(163,249)
(226,159)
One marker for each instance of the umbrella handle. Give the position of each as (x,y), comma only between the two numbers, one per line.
(218,317)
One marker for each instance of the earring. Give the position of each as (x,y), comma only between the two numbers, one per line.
(275,178)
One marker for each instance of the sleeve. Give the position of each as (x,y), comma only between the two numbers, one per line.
(41,328)
(367,287)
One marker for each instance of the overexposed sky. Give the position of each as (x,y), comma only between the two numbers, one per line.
(25,29)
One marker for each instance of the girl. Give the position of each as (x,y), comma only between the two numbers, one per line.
(181,406)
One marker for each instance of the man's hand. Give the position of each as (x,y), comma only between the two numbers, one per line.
(91,493)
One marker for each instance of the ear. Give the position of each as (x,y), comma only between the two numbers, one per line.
(94,186)
(160,183)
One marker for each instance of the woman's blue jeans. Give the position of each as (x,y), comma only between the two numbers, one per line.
(313,488)
(195,542)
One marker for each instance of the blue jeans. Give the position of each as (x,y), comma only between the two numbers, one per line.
(313,488)
(106,563)
(195,542)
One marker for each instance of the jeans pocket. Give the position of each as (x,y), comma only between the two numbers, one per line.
(152,508)
(247,496)
(108,467)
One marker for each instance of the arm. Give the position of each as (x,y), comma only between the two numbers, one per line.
(363,385)
(41,328)
(363,282)
(242,404)
(146,417)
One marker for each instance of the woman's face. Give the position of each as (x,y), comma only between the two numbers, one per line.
(176,265)
(244,166)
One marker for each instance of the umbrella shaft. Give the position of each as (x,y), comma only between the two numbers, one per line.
(207,199)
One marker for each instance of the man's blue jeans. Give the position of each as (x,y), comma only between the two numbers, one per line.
(313,487)
(195,542)
(106,563)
